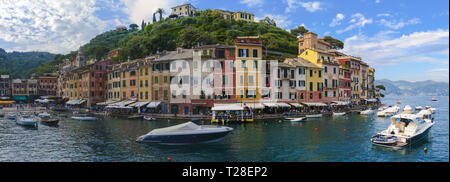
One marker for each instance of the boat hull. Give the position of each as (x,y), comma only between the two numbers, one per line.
(183,138)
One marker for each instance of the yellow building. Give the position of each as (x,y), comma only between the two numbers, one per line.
(314,81)
(241,15)
(227,15)
(184,10)
(249,68)
(145,78)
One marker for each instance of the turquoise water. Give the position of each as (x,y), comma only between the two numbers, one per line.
(112,139)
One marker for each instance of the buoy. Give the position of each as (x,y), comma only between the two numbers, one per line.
(345,130)
(315,129)
(169,159)
(425,149)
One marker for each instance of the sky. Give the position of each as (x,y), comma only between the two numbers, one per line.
(401,39)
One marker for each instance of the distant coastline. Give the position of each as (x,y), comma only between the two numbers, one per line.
(419,88)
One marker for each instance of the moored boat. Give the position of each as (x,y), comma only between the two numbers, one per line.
(367,112)
(148,118)
(27,120)
(434,99)
(314,115)
(49,121)
(404,130)
(418,108)
(185,133)
(84,118)
(12,117)
(135,117)
(407,110)
(44,115)
(339,113)
(398,101)
(296,119)
(433,110)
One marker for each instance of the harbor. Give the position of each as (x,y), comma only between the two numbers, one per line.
(326,139)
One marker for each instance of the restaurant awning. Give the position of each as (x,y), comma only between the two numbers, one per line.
(107,103)
(75,102)
(276,104)
(296,104)
(123,103)
(340,103)
(227,107)
(138,104)
(309,104)
(254,105)
(153,104)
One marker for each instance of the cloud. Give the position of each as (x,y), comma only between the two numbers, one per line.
(383,49)
(377,1)
(396,25)
(311,6)
(139,10)
(252,3)
(357,21)
(47,25)
(337,20)
(384,14)
(438,74)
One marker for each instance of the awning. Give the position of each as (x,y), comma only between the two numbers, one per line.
(43,100)
(123,103)
(227,107)
(276,104)
(340,103)
(254,105)
(309,104)
(153,104)
(107,103)
(6,102)
(138,104)
(296,104)
(75,102)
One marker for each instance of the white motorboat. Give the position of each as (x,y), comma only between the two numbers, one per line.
(27,120)
(404,130)
(407,110)
(296,119)
(185,133)
(339,113)
(44,115)
(427,107)
(382,108)
(84,118)
(398,101)
(425,114)
(367,112)
(390,111)
(418,108)
(314,115)
(12,117)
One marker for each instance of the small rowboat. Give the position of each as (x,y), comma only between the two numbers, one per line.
(339,113)
(135,117)
(296,119)
(314,116)
(49,121)
(148,118)
(84,118)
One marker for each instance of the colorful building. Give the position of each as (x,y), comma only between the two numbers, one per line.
(345,81)
(244,16)
(5,87)
(249,69)
(47,85)
(184,10)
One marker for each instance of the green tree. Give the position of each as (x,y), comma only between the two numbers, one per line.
(154,18)
(299,31)
(143,24)
(133,27)
(269,21)
(160,11)
(335,43)
(381,87)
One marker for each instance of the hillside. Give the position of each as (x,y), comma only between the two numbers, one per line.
(206,27)
(420,88)
(17,64)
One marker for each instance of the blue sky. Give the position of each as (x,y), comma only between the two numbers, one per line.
(401,39)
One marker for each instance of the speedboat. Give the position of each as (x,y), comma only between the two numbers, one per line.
(367,112)
(84,118)
(407,110)
(425,114)
(27,120)
(434,99)
(433,110)
(405,129)
(314,115)
(44,115)
(390,111)
(418,108)
(185,133)
(12,117)
(398,101)
(339,113)
(148,118)
(296,119)
(427,107)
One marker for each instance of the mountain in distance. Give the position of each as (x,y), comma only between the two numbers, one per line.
(418,88)
(17,64)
